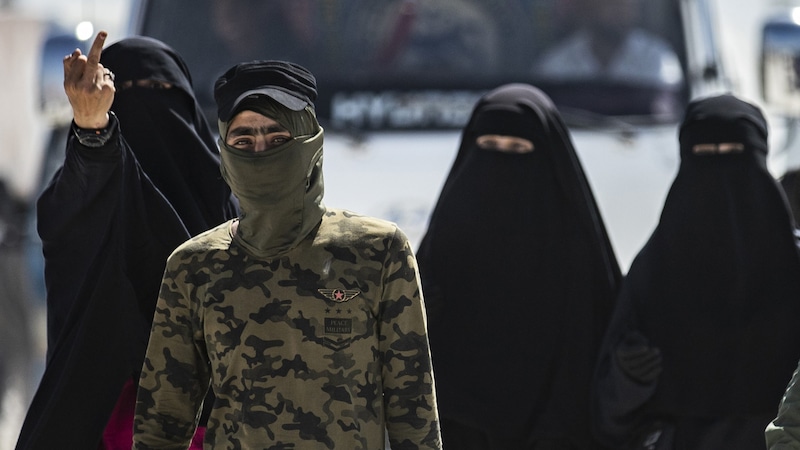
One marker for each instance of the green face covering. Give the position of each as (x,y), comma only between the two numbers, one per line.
(279,190)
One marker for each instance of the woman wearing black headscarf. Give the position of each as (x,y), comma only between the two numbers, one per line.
(519,277)
(108,220)
(705,336)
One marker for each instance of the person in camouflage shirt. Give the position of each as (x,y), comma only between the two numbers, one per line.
(307,322)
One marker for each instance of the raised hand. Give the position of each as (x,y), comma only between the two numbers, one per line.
(89,86)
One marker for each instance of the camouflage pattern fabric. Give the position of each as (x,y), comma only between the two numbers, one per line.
(324,347)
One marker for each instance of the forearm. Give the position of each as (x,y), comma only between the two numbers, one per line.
(617,399)
(409,393)
(85,189)
(174,378)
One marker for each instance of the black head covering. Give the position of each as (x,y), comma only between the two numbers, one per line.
(518,276)
(290,84)
(717,286)
(167,132)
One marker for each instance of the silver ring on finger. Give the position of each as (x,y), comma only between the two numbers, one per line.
(109,74)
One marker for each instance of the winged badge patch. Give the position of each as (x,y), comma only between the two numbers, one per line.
(339,295)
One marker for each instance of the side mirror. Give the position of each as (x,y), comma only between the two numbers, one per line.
(54,103)
(780,63)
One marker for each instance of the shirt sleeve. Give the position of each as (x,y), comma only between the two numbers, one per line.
(409,392)
(783,433)
(617,398)
(74,219)
(175,375)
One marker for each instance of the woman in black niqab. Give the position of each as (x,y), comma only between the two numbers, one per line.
(167,131)
(519,278)
(716,290)
(108,220)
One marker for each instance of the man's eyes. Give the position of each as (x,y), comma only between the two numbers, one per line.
(251,143)
(242,142)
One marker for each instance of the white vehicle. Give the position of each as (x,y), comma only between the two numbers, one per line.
(398,78)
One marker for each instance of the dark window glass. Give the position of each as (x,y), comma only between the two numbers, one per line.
(410,64)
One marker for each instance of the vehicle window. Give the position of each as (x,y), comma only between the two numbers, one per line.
(410,64)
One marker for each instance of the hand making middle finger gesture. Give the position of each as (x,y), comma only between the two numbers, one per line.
(89,86)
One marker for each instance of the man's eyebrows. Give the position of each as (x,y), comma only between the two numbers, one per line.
(252,131)
(241,131)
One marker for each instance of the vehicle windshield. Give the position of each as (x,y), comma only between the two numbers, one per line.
(422,64)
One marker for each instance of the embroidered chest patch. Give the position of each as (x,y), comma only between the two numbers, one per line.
(339,295)
(338,325)
(338,329)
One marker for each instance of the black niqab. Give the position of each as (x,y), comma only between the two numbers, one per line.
(518,276)
(167,132)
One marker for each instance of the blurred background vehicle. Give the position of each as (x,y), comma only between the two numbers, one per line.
(397,80)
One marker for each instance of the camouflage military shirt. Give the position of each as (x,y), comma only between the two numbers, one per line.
(323,347)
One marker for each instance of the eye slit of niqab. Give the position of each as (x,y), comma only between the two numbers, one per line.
(145,83)
(504,143)
(721,148)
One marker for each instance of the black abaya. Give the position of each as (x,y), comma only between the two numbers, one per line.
(519,278)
